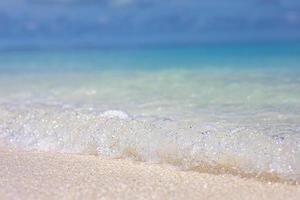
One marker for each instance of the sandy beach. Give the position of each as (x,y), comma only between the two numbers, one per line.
(32,175)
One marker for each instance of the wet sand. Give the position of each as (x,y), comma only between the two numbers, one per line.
(32,175)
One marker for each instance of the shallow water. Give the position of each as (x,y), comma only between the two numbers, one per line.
(234,108)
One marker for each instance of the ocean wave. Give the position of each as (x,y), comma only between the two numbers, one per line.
(217,147)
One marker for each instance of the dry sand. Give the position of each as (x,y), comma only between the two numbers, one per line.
(29,175)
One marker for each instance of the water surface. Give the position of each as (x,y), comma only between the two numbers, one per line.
(229,108)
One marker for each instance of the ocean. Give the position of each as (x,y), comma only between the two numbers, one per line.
(231,108)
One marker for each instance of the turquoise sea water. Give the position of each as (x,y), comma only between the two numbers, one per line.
(217,108)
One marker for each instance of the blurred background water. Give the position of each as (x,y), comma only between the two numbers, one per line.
(130,23)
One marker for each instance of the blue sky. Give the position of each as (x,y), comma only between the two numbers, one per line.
(144,22)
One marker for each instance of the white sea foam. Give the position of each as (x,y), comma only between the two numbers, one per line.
(199,144)
(115,114)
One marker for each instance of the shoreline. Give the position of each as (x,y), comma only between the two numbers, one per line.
(39,175)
